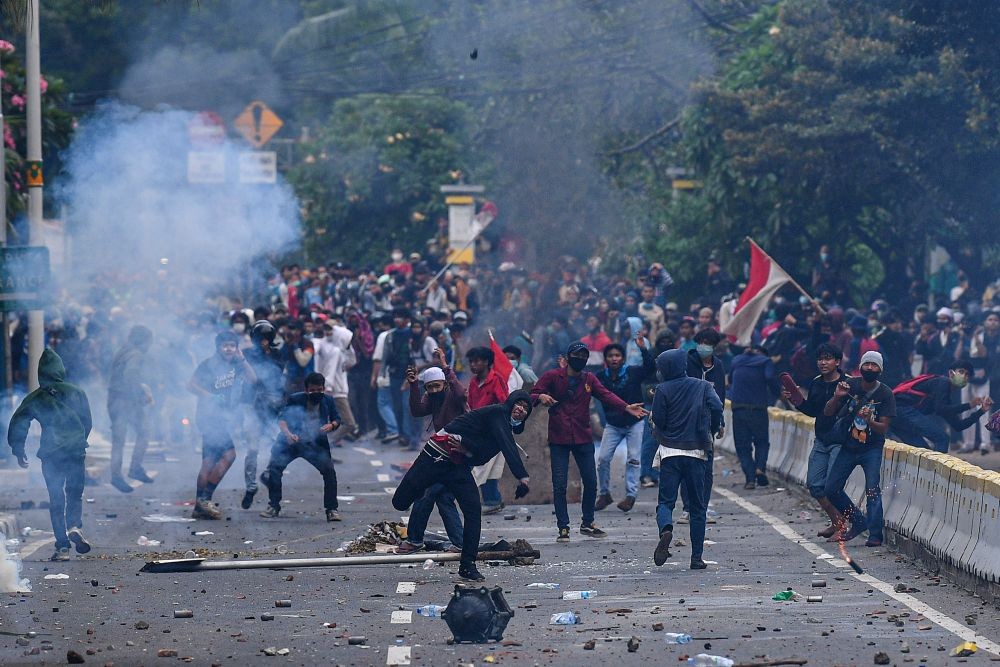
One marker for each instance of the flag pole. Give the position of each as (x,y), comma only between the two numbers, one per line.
(799,287)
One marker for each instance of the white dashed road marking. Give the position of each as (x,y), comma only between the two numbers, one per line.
(951,625)
(376,463)
(366,452)
(382,477)
(406,587)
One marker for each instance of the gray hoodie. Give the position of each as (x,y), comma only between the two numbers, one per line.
(686,410)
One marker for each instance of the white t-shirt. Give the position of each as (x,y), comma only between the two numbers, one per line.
(666,452)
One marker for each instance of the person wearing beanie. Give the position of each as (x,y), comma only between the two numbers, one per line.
(937,345)
(864,408)
(926,408)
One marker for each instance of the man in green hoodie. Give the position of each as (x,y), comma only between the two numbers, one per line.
(63,412)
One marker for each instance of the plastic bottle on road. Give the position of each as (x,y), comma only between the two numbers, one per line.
(541,585)
(431,610)
(676,637)
(428,564)
(706,660)
(578,595)
(564,618)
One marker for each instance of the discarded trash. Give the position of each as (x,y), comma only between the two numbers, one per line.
(56,576)
(855,566)
(144,541)
(785,595)
(727,472)
(964,650)
(141,625)
(677,637)
(537,585)
(431,610)
(565,618)
(819,583)
(707,660)
(166,518)
(578,595)
(202,533)
(357,641)
(267,617)
(814,598)
(190,554)
(166,653)
(183,613)
(882,658)
(428,564)
(10,569)
(282,603)
(633,645)
(589,645)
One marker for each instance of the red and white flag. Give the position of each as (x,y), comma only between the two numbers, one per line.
(738,318)
(503,367)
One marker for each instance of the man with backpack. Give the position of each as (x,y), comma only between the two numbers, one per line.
(863,408)
(926,408)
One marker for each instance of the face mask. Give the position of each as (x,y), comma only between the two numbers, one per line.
(577,363)
(314,397)
(397,257)
(436,398)
(239,328)
(705,351)
(515,423)
(824,256)
(958,380)
(871,376)
(515,364)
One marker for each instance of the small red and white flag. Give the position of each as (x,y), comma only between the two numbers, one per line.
(503,367)
(739,317)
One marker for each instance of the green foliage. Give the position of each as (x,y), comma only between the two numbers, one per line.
(369,181)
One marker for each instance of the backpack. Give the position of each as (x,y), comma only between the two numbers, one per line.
(908,388)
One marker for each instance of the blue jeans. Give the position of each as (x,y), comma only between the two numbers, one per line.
(752,440)
(689,471)
(649,447)
(707,489)
(912,426)
(870,460)
(420,514)
(584,455)
(395,411)
(610,441)
(491,493)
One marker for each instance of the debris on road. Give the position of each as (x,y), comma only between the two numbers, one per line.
(675,637)
(565,618)
(183,613)
(357,641)
(383,532)
(166,518)
(166,653)
(964,650)
(882,658)
(578,595)
(633,645)
(589,645)
(144,541)
(74,658)
(540,585)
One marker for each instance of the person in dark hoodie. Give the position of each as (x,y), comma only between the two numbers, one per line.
(754,380)
(444,397)
(686,414)
(129,398)
(63,412)
(925,408)
(448,457)
(567,393)
(305,422)
(625,382)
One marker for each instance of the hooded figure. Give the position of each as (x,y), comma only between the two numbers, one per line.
(63,412)
(448,457)
(686,414)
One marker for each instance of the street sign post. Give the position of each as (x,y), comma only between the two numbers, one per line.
(24,278)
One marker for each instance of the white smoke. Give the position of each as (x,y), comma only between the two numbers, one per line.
(10,571)
(130,204)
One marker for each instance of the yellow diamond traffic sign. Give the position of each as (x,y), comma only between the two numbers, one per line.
(257,123)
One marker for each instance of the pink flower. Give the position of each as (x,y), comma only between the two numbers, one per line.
(43,84)
(17,101)
(8,137)
(2,74)
(6,47)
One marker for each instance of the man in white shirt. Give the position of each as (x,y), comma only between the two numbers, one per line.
(334,357)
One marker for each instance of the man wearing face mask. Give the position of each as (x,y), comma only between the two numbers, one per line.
(937,347)
(522,367)
(305,422)
(218,382)
(567,392)
(444,398)
(925,407)
(865,407)
(398,265)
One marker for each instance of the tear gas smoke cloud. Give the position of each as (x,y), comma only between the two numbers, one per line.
(130,204)
(10,571)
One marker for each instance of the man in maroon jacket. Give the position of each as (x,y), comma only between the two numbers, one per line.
(567,393)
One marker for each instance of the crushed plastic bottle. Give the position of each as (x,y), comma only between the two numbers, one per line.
(783,596)
(540,585)
(677,637)
(428,564)
(431,610)
(565,618)
(144,541)
(579,595)
(707,660)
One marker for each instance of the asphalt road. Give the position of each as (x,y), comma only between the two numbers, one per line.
(757,550)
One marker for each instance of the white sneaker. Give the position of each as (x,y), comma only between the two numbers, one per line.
(684,518)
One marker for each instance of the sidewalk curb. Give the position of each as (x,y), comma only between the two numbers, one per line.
(8,525)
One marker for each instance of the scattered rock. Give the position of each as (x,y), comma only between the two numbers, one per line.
(357,641)
(589,645)
(74,658)
(166,653)
(633,644)
(657,627)
(141,625)
(882,658)
(284,603)
(267,617)
(270,650)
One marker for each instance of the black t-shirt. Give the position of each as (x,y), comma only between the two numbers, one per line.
(224,380)
(882,403)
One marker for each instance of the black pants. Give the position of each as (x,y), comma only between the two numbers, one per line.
(64,476)
(752,440)
(318,454)
(424,473)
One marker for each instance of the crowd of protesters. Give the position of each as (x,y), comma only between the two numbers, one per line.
(339,353)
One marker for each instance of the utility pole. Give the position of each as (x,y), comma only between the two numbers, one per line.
(33,95)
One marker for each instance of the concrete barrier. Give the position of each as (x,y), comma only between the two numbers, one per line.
(943,507)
